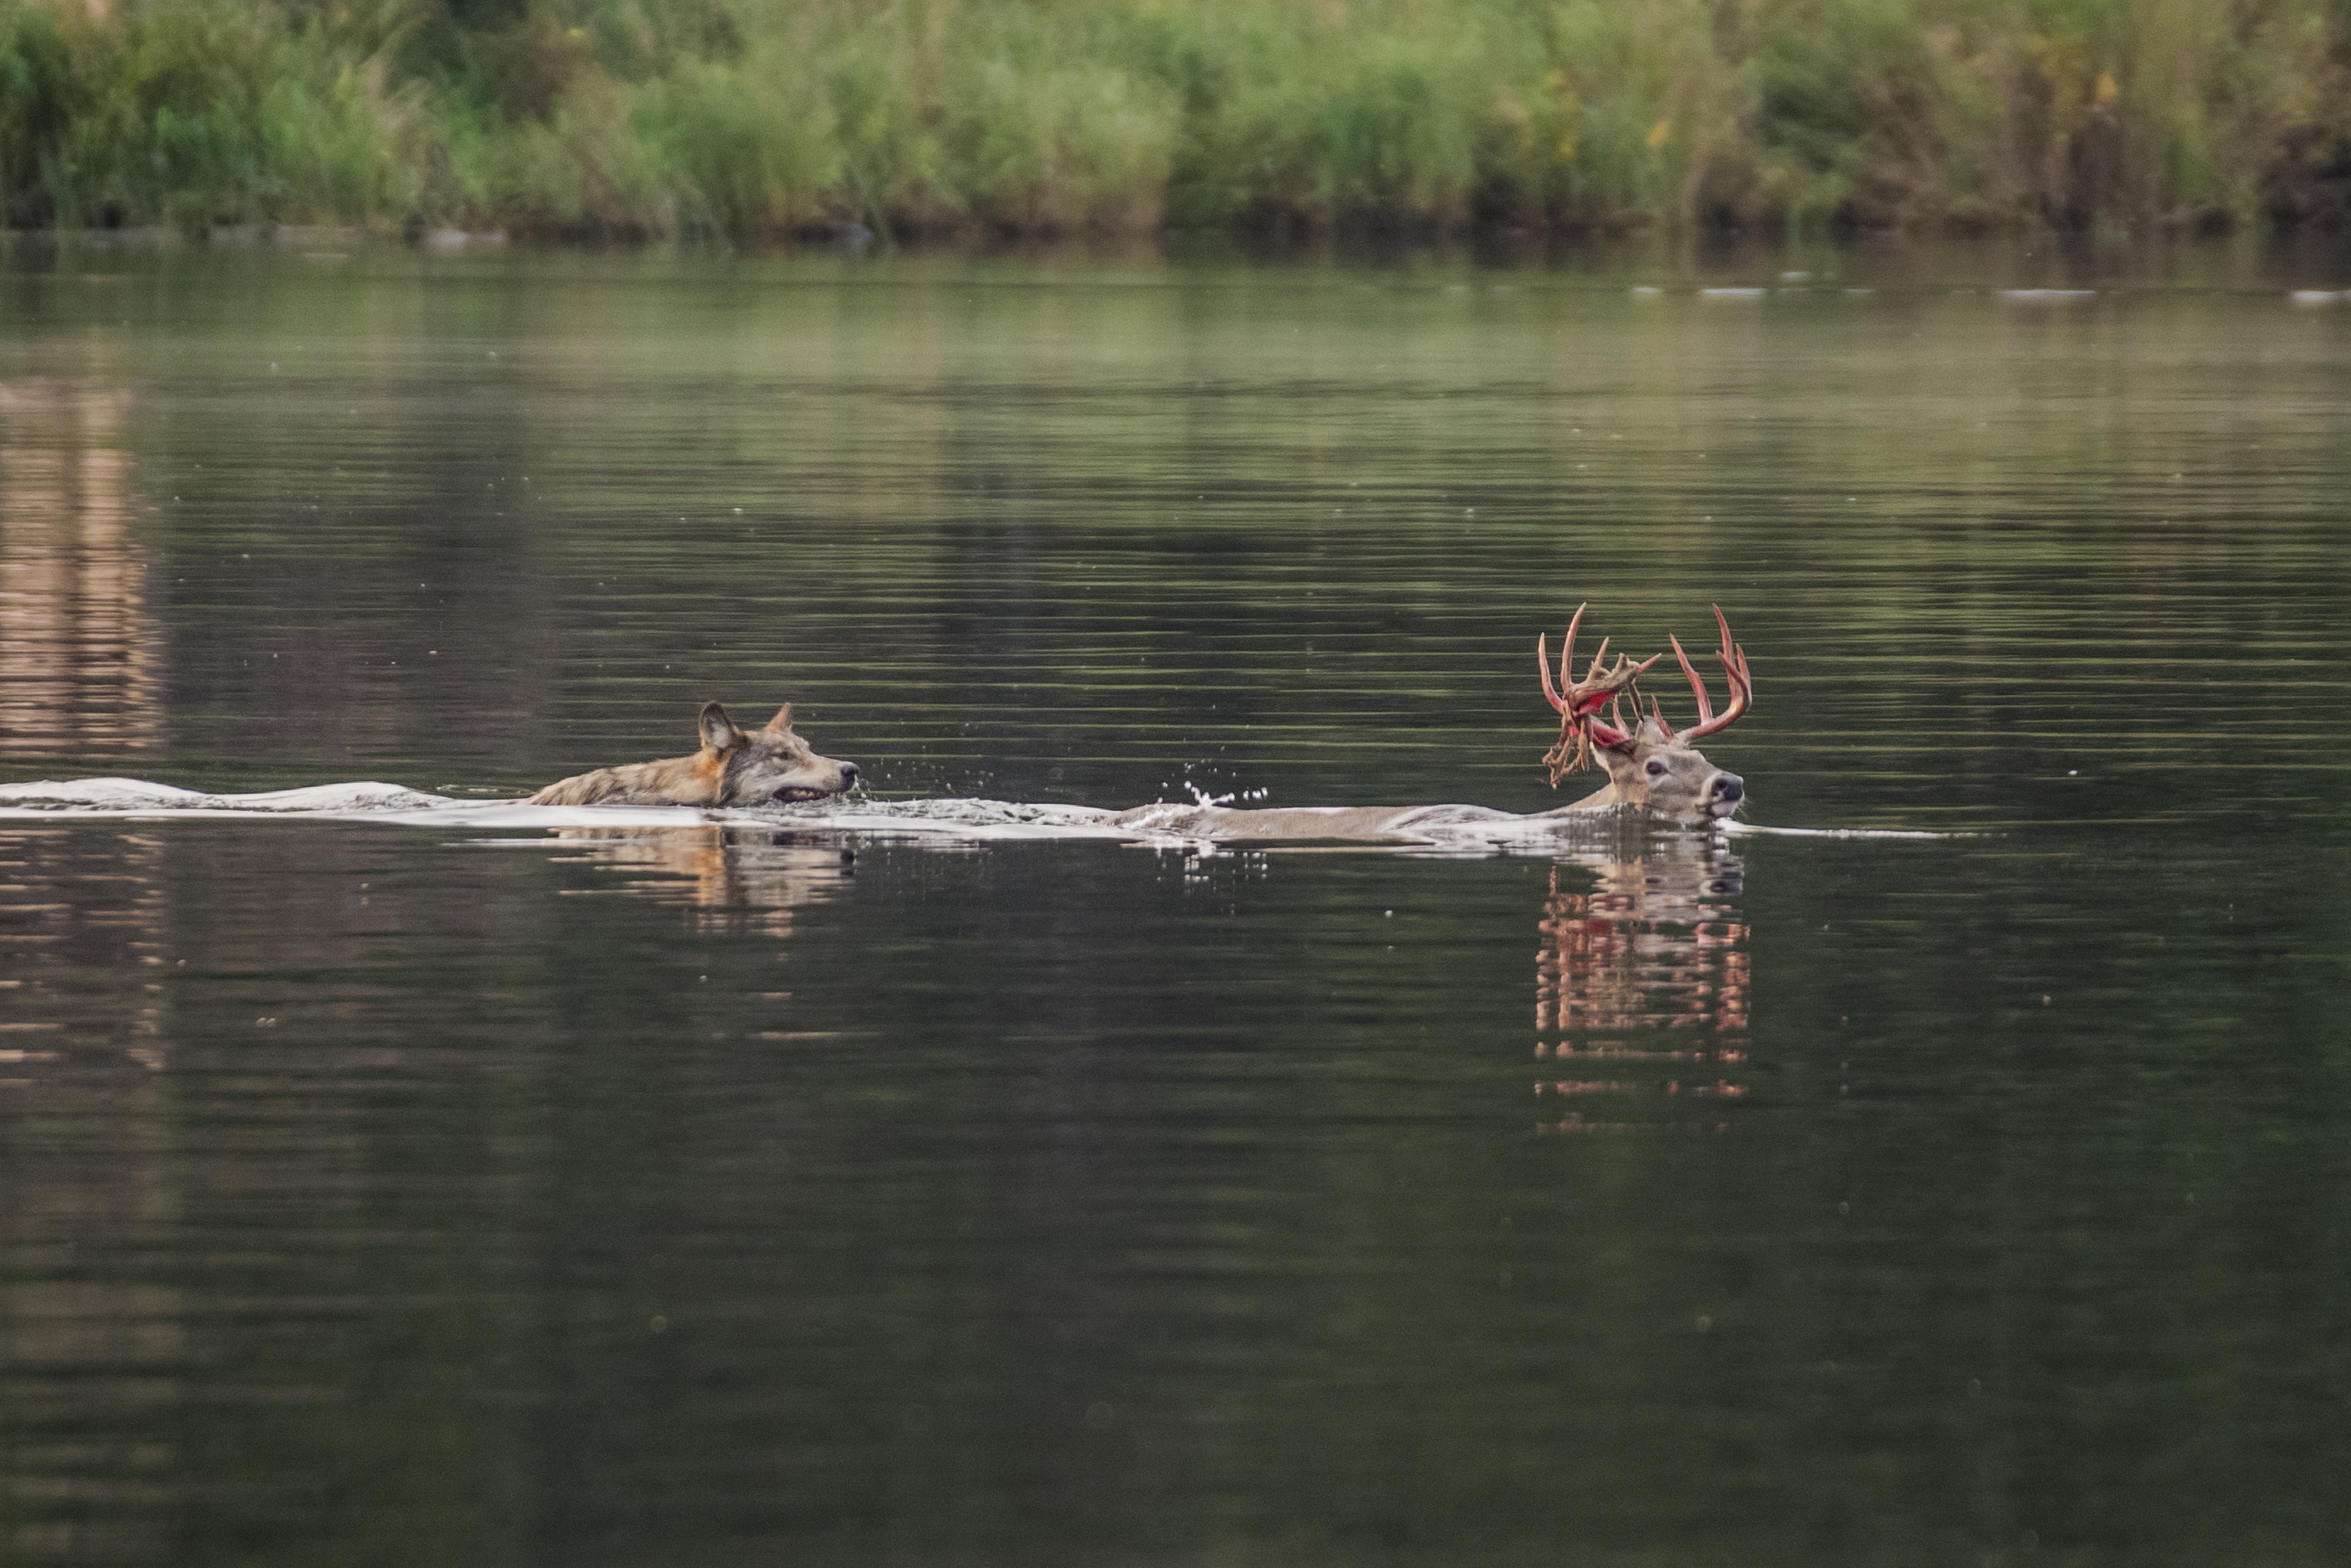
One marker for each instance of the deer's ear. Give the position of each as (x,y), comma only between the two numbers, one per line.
(1624,747)
(718,731)
(783,719)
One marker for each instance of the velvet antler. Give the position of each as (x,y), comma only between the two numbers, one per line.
(1580,723)
(1734,670)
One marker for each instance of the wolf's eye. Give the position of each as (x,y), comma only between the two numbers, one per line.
(1657,769)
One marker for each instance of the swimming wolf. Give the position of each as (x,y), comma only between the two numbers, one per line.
(734,768)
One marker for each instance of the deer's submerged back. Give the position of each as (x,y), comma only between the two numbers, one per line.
(1652,767)
(1658,776)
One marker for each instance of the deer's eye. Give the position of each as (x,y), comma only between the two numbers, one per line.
(1656,769)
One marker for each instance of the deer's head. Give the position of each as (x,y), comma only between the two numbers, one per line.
(1649,763)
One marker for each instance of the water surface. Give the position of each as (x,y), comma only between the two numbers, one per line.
(745,1192)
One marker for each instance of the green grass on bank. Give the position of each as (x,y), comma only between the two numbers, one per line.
(663,117)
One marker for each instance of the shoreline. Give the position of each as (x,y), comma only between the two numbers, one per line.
(2307,266)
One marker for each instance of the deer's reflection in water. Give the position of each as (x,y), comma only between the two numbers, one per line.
(729,878)
(1641,991)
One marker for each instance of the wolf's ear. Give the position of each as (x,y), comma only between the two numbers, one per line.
(783,719)
(718,731)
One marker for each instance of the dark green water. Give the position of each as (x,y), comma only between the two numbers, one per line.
(385,1195)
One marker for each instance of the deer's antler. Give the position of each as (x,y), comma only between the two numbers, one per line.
(1580,723)
(1734,669)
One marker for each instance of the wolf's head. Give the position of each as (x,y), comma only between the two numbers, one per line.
(754,766)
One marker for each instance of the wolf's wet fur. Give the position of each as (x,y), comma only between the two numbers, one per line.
(736,766)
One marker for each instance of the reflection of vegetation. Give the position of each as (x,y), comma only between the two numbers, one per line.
(670,116)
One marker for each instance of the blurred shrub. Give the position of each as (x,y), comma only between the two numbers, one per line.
(749,116)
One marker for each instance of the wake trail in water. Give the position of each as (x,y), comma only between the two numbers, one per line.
(368,801)
(968,820)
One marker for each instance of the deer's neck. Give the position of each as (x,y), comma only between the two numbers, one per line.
(1606,795)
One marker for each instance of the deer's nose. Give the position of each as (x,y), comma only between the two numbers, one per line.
(1729,787)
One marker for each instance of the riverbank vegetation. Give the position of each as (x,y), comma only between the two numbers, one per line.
(762,117)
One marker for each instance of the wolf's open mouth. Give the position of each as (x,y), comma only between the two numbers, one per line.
(790,796)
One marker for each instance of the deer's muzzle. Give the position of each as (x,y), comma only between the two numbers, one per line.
(1724,792)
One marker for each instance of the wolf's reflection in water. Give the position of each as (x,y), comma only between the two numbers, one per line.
(729,878)
(1641,991)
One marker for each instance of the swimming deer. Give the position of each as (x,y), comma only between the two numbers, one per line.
(1650,765)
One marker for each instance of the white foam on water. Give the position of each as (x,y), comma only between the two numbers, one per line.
(114,797)
(1758,830)
(1173,822)
(372,802)
(952,819)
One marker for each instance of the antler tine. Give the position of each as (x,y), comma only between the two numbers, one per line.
(1566,659)
(1734,654)
(1734,661)
(1567,649)
(1607,734)
(1735,672)
(1581,703)
(1618,682)
(1697,686)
